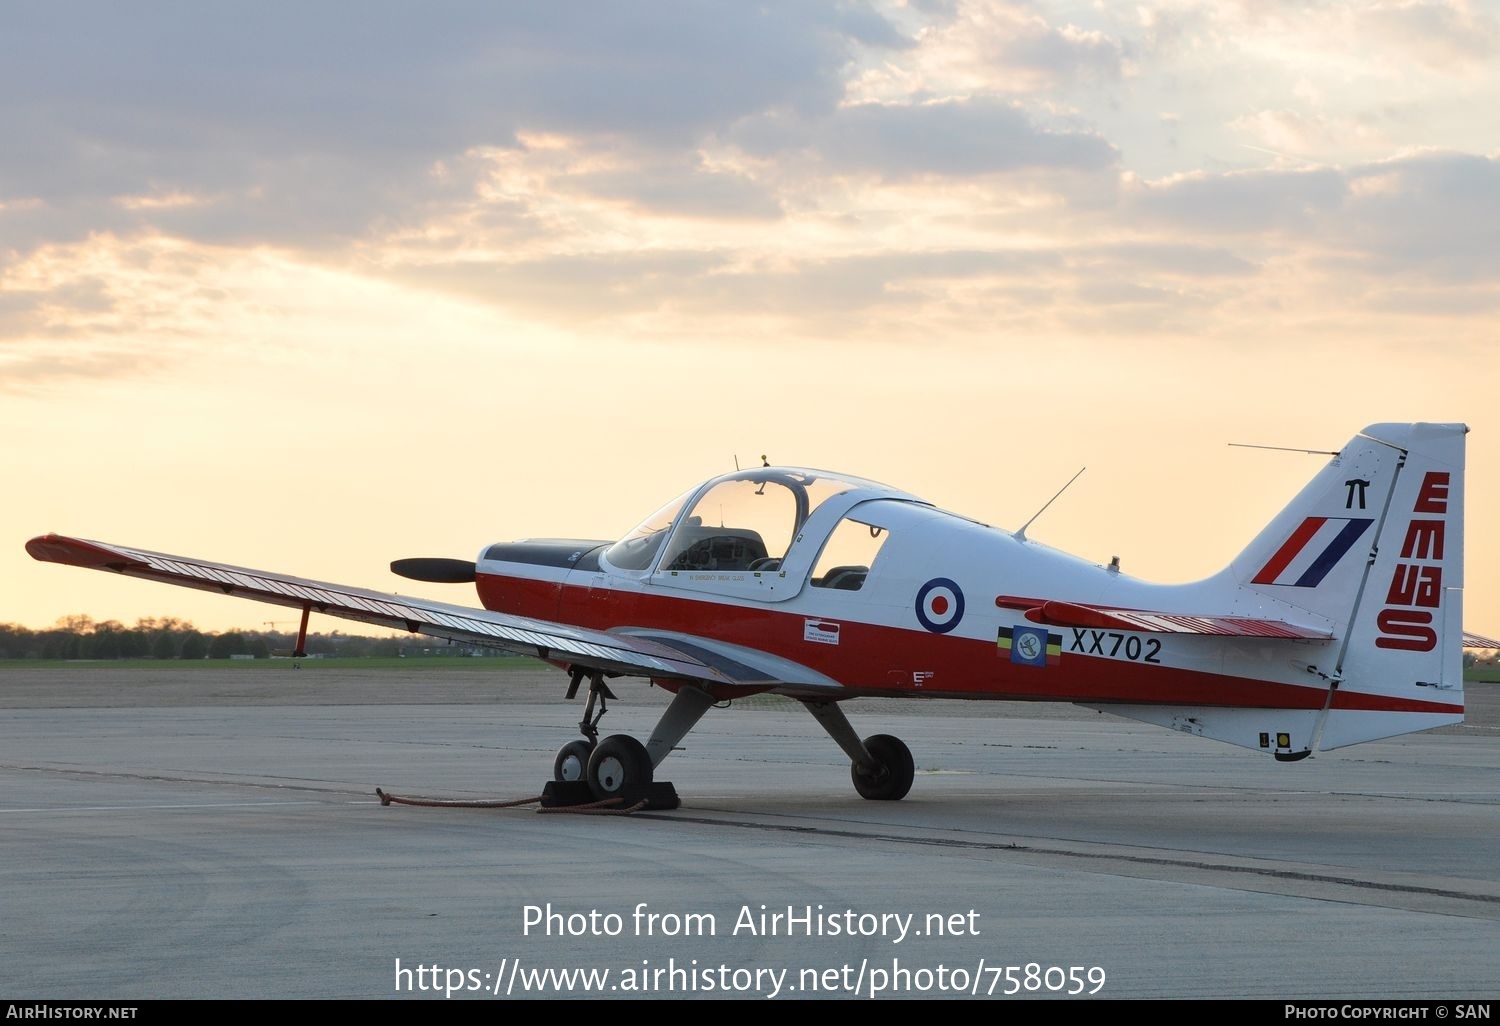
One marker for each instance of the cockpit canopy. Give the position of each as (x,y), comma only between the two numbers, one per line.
(741,521)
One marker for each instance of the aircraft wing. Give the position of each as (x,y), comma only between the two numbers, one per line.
(602,650)
(1076,614)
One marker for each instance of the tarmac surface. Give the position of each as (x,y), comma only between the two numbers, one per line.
(213,833)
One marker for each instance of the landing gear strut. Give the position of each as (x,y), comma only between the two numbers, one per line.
(881,765)
(572,760)
(619,767)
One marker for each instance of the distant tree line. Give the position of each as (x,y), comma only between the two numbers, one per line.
(80,637)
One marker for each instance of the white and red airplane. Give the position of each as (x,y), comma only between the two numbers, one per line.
(1341,622)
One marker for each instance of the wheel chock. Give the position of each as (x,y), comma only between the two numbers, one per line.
(657,795)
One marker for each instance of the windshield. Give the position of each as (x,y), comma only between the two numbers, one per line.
(637,550)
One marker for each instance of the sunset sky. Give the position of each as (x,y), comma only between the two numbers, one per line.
(309,287)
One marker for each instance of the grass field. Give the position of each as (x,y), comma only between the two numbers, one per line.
(498,664)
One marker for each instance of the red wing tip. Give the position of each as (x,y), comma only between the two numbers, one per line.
(44,545)
(57,548)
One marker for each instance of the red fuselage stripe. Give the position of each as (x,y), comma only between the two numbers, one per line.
(895,660)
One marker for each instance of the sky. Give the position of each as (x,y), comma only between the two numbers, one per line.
(308,288)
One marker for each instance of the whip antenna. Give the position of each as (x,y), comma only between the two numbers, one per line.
(1021,534)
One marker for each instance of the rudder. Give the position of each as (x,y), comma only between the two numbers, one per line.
(1374,546)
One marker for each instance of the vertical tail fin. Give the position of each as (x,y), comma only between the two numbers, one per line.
(1374,544)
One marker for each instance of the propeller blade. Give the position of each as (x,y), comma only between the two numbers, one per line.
(435,569)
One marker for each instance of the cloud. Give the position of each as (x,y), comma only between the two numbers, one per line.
(1182,259)
(1015,47)
(1430,213)
(1300,135)
(1243,202)
(710,291)
(33,372)
(66,309)
(1450,37)
(997,48)
(1332,82)
(290,123)
(845,295)
(950,138)
(677,191)
(1365,37)
(113,303)
(846,171)
(1437,214)
(572,287)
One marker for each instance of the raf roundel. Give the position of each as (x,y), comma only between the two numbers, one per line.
(940,605)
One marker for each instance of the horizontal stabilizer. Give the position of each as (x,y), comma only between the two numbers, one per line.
(1075,614)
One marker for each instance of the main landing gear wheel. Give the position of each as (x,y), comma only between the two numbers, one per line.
(572,762)
(892,779)
(618,762)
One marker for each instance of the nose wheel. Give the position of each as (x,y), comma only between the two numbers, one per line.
(892,775)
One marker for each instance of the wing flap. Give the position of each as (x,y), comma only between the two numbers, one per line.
(542,639)
(1077,614)
(741,664)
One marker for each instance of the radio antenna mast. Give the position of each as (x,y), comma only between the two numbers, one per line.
(1021,534)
